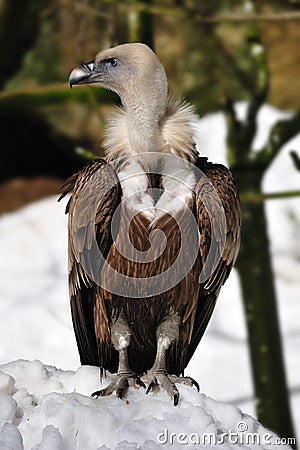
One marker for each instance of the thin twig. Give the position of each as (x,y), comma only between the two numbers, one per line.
(195,15)
(89,9)
(56,94)
(240,18)
(258,197)
(281,132)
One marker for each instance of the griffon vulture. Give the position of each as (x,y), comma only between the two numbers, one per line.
(154,230)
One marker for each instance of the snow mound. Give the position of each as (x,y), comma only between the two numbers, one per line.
(45,408)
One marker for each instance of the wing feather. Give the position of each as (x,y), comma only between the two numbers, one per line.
(95,196)
(222,180)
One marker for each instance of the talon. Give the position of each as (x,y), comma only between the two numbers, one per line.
(120,385)
(176,398)
(194,383)
(139,382)
(150,386)
(96,394)
(119,393)
(168,382)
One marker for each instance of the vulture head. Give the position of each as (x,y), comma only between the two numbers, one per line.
(133,71)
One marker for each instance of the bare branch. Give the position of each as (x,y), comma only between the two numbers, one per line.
(280,134)
(183,12)
(258,197)
(55,94)
(90,10)
(257,55)
(243,18)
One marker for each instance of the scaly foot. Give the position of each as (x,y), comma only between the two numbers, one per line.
(120,385)
(167,383)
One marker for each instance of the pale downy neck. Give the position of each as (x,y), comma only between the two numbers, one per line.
(142,129)
(145,106)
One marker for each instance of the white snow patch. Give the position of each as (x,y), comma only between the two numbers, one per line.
(34,308)
(50,409)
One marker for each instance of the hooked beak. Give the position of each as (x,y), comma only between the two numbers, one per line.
(81,74)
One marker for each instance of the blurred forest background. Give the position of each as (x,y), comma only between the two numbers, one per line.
(215,53)
(42,40)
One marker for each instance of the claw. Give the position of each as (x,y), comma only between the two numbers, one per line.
(176,398)
(97,394)
(194,383)
(139,382)
(119,393)
(120,385)
(167,383)
(150,385)
(189,381)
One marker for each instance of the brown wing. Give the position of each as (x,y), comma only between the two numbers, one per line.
(93,202)
(223,203)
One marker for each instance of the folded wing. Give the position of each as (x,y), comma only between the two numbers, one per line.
(219,228)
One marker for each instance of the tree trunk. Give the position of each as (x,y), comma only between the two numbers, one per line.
(140,26)
(254,265)
(18,32)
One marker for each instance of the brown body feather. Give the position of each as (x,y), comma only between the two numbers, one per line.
(93,307)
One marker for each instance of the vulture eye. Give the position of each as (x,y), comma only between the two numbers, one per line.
(111,61)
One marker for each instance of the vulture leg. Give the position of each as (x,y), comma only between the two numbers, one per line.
(167,333)
(125,378)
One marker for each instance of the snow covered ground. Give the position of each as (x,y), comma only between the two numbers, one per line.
(35,324)
(51,410)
